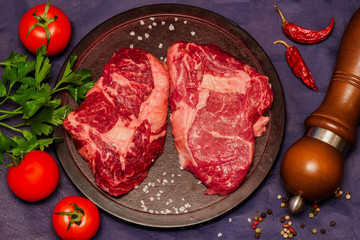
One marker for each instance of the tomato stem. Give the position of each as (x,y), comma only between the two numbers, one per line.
(75,216)
(43,21)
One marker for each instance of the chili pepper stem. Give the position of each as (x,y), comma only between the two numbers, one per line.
(283,42)
(282,16)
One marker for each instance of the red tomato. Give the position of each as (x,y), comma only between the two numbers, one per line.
(90,220)
(60,30)
(35,178)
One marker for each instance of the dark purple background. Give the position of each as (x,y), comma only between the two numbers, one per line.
(23,220)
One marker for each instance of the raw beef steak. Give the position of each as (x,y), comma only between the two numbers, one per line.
(217,105)
(119,129)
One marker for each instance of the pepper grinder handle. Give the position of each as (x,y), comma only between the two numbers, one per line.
(313,166)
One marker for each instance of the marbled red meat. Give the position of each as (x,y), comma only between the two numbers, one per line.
(119,129)
(217,109)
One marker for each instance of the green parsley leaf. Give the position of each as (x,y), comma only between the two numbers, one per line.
(5,145)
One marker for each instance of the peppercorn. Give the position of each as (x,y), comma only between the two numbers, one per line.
(263,215)
(323,230)
(294,233)
(260,219)
(302,225)
(282,220)
(269,211)
(257,235)
(332,223)
(256,218)
(284,200)
(256,222)
(253,226)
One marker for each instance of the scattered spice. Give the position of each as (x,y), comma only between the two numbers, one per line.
(332,223)
(303,35)
(314,231)
(323,231)
(348,196)
(257,235)
(279,196)
(263,215)
(282,220)
(269,211)
(302,225)
(298,66)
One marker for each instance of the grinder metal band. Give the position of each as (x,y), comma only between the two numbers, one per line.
(328,137)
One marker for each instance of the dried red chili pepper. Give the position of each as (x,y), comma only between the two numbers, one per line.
(298,66)
(303,35)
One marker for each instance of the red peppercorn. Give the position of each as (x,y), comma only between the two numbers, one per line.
(260,219)
(253,226)
(256,223)
(315,205)
(291,229)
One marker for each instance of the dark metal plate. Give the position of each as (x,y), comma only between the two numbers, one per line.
(170,196)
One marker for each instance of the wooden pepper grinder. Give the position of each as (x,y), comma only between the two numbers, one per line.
(312,168)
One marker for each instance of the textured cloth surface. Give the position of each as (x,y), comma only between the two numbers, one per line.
(23,220)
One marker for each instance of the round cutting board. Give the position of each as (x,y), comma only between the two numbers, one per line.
(171,196)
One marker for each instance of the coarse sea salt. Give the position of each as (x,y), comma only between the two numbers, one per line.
(193,33)
(150,26)
(219,234)
(142,22)
(185,22)
(152,18)
(171,27)
(162,22)
(160,45)
(147,36)
(139,38)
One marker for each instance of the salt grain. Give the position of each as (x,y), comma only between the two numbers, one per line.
(164,173)
(142,22)
(151,198)
(230,219)
(150,26)
(219,234)
(152,18)
(131,45)
(162,22)
(132,33)
(176,19)
(160,45)
(193,33)
(172,180)
(139,38)
(161,58)
(147,36)
(171,27)
(185,22)
(249,219)
(181,168)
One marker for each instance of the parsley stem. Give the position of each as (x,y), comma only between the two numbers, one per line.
(8,114)
(10,127)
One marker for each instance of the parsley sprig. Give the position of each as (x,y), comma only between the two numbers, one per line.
(23,86)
